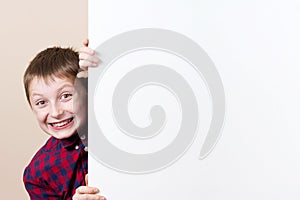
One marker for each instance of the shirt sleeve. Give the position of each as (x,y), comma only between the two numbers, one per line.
(38,189)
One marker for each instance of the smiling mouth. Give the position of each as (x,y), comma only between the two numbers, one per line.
(62,123)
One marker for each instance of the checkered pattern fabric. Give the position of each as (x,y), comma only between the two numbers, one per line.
(57,169)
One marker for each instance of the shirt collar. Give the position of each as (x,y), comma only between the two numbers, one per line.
(70,141)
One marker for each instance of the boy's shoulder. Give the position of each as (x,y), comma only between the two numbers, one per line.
(51,145)
(52,151)
(33,170)
(51,157)
(44,154)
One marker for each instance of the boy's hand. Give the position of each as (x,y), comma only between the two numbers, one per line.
(87,58)
(87,193)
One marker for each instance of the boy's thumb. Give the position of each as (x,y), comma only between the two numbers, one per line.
(86,179)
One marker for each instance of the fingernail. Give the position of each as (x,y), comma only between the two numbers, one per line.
(96,190)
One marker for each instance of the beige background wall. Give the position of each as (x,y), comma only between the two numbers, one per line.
(26,28)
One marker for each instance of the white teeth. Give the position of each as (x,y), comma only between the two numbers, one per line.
(59,124)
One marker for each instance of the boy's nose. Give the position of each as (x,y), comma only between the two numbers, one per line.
(56,110)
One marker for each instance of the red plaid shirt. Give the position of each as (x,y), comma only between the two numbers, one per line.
(57,169)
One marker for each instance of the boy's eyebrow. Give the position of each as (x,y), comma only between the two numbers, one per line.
(64,85)
(33,93)
(36,94)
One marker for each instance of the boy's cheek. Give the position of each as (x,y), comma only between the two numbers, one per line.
(35,111)
(69,107)
(78,105)
(39,114)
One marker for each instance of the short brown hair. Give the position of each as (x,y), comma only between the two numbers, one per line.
(52,62)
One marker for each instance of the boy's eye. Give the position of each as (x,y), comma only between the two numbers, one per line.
(40,103)
(66,96)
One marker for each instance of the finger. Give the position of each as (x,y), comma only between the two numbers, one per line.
(87,190)
(84,68)
(84,64)
(86,179)
(82,74)
(86,42)
(88,197)
(92,59)
(87,50)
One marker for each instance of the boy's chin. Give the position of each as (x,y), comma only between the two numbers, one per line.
(63,135)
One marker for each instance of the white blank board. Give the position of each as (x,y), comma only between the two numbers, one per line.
(254,46)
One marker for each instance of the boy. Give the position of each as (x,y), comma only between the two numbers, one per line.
(58,170)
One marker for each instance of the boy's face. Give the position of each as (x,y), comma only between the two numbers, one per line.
(53,105)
